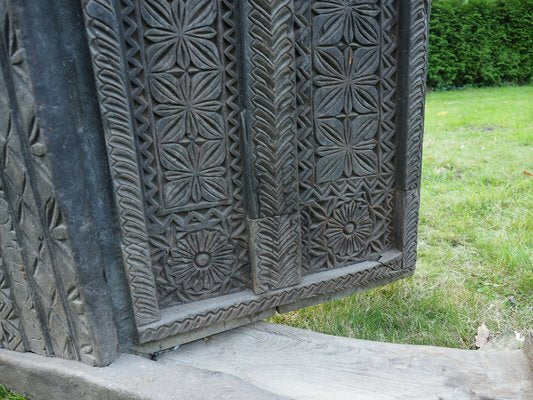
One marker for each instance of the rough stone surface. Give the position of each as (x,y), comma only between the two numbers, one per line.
(266,361)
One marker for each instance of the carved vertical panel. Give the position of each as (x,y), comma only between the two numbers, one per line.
(272,124)
(271,103)
(104,31)
(24,203)
(348,56)
(37,253)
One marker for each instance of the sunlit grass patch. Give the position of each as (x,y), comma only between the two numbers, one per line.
(476,231)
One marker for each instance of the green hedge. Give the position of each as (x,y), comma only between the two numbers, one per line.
(480,42)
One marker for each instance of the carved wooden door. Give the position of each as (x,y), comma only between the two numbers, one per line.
(264,153)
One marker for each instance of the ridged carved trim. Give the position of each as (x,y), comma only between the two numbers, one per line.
(413,65)
(382,271)
(110,71)
(413,61)
(407,204)
(272,105)
(275,252)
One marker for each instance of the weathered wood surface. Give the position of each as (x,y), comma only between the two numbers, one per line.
(305,365)
(273,362)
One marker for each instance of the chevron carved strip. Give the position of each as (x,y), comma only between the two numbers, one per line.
(275,252)
(106,50)
(272,105)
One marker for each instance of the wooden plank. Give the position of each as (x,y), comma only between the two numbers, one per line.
(301,364)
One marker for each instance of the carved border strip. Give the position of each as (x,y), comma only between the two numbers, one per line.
(381,271)
(304,116)
(413,61)
(10,322)
(104,41)
(413,65)
(275,252)
(272,105)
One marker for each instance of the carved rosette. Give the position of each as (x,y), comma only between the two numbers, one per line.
(349,229)
(201,264)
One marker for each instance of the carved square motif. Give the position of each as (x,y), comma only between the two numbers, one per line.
(346,147)
(188,107)
(194,173)
(351,21)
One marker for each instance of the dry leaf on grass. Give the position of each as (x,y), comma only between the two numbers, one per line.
(482,336)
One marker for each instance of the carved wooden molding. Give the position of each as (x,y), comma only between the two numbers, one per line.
(104,38)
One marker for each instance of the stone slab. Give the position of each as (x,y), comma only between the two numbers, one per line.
(268,361)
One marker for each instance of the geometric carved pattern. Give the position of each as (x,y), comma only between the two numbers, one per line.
(272,105)
(269,149)
(350,58)
(103,32)
(188,132)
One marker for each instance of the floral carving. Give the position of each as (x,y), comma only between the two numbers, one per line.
(353,20)
(180,33)
(346,81)
(347,146)
(201,262)
(194,172)
(349,229)
(188,105)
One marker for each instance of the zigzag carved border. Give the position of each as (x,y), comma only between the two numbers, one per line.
(382,271)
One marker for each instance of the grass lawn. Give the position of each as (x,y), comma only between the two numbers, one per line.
(476,232)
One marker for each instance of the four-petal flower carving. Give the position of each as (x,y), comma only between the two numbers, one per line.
(347,147)
(346,81)
(188,105)
(194,171)
(180,33)
(352,19)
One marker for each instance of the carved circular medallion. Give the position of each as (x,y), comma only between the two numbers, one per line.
(201,262)
(349,229)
